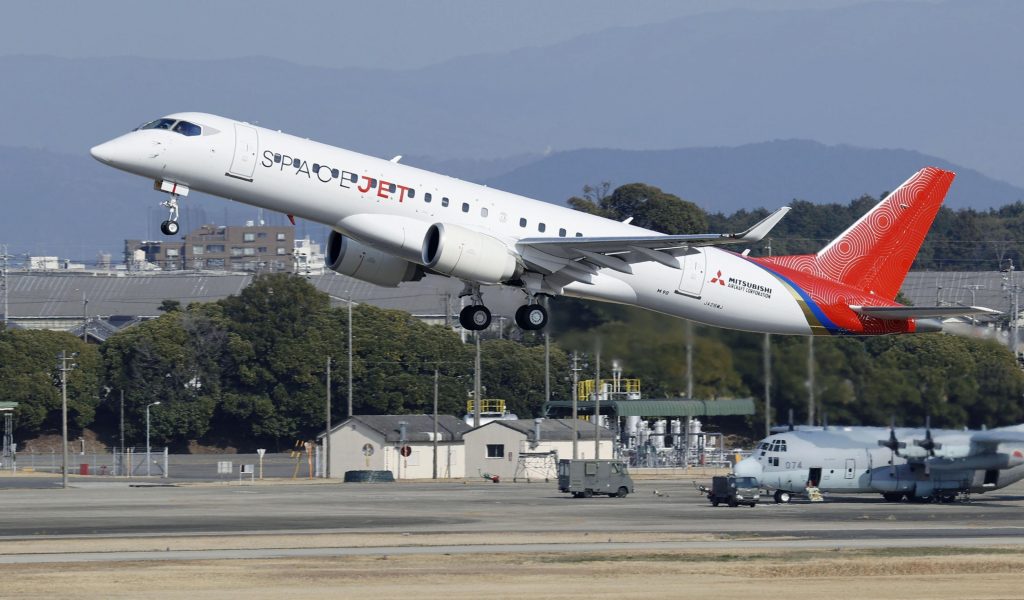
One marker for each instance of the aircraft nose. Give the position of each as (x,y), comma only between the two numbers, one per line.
(748,467)
(102,152)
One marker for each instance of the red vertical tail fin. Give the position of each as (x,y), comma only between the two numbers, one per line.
(876,252)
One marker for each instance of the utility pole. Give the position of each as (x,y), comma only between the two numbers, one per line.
(810,380)
(3,281)
(327,435)
(1010,285)
(85,317)
(435,422)
(575,399)
(122,431)
(768,372)
(350,355)
(476,382)
(767,384)
(597,407)
(689,359)
(547,359)
(65,366)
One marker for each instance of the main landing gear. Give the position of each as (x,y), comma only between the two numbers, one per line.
(170,226)
(531,317)
(477,317)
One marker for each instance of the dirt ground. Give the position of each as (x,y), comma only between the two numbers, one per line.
(927,574)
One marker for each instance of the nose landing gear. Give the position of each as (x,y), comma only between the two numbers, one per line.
(170,226)
(174,191)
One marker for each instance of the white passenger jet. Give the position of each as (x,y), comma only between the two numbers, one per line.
(916,464)
(393,223)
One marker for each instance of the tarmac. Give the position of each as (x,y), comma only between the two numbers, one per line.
(243,519)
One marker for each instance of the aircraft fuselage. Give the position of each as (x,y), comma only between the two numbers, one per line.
(391,206)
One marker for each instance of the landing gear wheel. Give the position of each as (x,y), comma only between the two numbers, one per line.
(169,227)
(782,497)
(531,317)
(475,317)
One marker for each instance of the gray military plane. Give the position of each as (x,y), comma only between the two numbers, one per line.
(899,463)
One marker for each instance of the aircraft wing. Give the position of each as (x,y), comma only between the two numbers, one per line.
(994,437)
(921,312)
(579,257)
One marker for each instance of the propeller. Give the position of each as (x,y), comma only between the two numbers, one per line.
(893,445)
(928,443)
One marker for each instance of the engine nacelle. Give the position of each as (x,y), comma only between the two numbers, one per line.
(349,257)
(466,254)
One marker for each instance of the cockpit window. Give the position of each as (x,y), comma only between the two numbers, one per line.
(159,124)
(186,128)
(182,127)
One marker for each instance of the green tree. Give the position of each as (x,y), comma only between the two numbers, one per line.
(29,376)
(515,373)
(648,206)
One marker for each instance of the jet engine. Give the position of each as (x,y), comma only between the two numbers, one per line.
(349,257)
(466,254)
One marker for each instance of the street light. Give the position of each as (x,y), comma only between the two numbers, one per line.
(149,461)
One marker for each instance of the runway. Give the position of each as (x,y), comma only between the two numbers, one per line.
(98,520)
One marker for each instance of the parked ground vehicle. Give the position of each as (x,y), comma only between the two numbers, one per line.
(732,490)
(585,477)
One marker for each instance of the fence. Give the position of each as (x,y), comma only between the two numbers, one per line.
(161,463)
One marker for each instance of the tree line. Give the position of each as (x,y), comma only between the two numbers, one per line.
(959,240)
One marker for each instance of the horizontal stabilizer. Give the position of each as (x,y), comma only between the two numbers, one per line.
(898,313)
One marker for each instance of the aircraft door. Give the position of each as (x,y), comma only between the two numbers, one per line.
(851,467)
(243,165)
(694,266)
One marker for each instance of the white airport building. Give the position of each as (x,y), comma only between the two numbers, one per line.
(529,449)
(375,442)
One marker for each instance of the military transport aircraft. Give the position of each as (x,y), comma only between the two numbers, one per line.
(899,463)
(393,223)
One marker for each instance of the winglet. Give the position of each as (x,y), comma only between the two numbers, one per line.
(758,231)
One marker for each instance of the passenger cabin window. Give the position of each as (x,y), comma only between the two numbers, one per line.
(483,211)
(465,207)
(541,227)
(561,232)
(444,201)
(578,234)
(522,222)
(427,197)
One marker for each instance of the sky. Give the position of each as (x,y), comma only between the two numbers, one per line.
(388,34)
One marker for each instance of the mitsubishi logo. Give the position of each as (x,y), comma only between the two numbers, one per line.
(718,278)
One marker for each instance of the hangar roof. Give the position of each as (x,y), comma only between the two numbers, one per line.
(659,408)
(550,429)
(418,428)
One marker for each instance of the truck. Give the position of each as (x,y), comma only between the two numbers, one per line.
(732,490)
(585,477)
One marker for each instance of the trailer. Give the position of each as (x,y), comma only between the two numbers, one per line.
(585,477)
